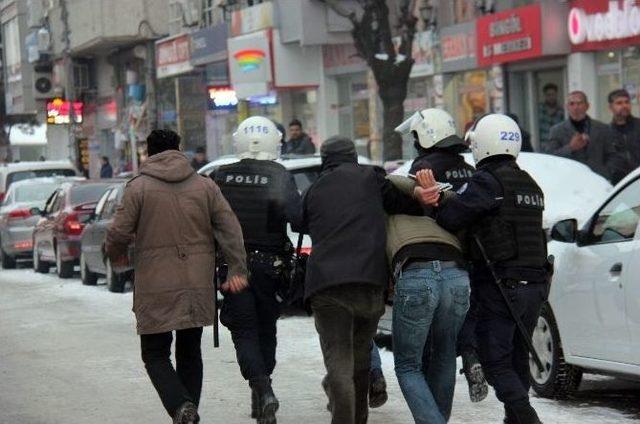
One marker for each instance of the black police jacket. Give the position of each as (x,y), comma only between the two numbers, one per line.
(344,212)
(264,197)
(502,205)
(447,166)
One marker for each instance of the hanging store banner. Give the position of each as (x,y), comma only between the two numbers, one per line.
(458,43)
(209,45)
(173,56)
(250,63)
(603,24)
(509,36)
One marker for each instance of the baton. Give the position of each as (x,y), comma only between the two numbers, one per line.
(523,331)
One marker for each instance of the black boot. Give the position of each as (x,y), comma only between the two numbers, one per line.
(521,413)
(472,370)
(266,401)
(377,389)
(187,413)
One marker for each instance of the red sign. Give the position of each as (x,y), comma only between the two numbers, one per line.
(173,56)
(508,36)
(458,46)
(603,24)
(59,111)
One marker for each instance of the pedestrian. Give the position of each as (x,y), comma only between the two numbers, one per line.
(299,142)
(550,113)
(177,218)
(344,213)
(106,171)
(199,159)
(501,210)
(627,128)
(584,139)
(264,196)
(439,149)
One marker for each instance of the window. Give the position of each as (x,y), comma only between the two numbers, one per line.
(37,173)
(101,203)
(49,206)
(211,13)
(87,193)
(111,205)
(618,220)
(175,17)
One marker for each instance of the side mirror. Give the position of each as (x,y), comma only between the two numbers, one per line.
(36,211)
(565,231)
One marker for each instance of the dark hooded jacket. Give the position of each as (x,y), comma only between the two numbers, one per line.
(344,213)
(176,216)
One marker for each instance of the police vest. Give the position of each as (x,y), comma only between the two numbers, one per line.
(447,167)
(513,236)
(255,190)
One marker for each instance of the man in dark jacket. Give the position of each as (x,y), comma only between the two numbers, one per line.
(106,171)
(199,159)
(344,212)
(627,128)
(177,217)
(584,139)
(299,143)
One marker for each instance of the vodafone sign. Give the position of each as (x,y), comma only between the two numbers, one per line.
(601,24)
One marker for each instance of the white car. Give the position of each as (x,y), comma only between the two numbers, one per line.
(591,322)
(569,187)
(13,172)
(305,170)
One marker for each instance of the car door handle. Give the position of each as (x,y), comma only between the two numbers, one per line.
(616,269)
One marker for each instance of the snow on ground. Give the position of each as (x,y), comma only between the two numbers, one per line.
(69,354)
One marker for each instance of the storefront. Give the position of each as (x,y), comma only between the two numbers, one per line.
(514,46)
(608,34)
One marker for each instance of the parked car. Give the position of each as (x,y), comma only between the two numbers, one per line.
(305,170)
(56,236)
(569,187)
(93,262)
(14,172)
(591,320)
(16,219)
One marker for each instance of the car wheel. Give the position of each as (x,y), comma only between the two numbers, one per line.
(38,265)
(8,262)
(64,269)
(88,278)
(115,281)
(559,379)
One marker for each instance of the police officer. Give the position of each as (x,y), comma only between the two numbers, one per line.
(439,149)
(501,207)
(264,196)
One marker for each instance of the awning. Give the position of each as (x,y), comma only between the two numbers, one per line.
(27,135)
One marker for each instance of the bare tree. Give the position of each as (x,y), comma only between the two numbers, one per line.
(373,38)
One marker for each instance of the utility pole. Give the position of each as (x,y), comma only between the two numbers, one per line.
(69,79)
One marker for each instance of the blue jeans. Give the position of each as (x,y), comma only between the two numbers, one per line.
(429,297)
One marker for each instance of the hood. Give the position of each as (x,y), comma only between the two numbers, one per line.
(170,166)
(336,151)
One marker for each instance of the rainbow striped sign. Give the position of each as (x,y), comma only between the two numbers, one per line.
(249,60)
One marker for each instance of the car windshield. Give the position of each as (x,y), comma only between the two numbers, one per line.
(305,177)
(87,193)
(36,173)
(34,193)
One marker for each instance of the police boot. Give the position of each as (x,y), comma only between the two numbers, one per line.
(187,413)
(377,389)
(520,414)
(266,402)
(472,370)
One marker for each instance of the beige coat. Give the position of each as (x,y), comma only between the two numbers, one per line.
(175,216)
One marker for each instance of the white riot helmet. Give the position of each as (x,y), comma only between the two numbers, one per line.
(434,127)
(494,134)
(258,138)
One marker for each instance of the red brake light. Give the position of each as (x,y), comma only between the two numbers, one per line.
(1,197)
(19,214)
(305,251)
(72,226)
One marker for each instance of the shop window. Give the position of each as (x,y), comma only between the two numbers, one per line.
(211,13)
(608,70)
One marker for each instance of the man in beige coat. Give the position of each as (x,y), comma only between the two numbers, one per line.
(176,217)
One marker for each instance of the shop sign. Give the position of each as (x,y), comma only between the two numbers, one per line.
(252,19)
(173,56)
(458,47)
(594,25)
(509,36)
(59,111)
(250,63)
(209,45)
(222,98)
(342,59)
